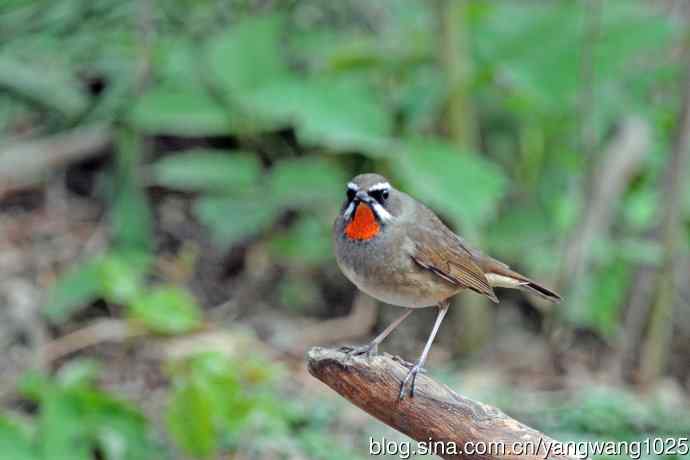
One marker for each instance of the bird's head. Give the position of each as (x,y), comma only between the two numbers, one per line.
(370,204)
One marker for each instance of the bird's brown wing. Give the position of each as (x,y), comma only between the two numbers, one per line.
(443,253)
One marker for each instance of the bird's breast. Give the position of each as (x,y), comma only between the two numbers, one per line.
(383,269)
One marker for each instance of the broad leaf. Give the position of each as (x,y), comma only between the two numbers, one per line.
(207,170)
(62,432)
(15,440)
(75,289)
(184,111)
(461,184)
(208,402)
(308,241)
(167,310)
(602,307)
(190,420)
(122,275)
(247,55)
(234,219)
(342,114)
(75,419)
(80,373)
(41,83)
(308,181)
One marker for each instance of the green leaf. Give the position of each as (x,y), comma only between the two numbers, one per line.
(183,111)
(522,232)
(641,206)
(421,98)
(208,401)
(167,310)
(62,432)
(42,84)
(75,289)
(606,297)
(122,276)
(544,75)
(219,379)
(233,219)
(461,184)
(190,420)
(80,373)
(177,59)
(306,182)
(76,419)
(308,242)
(247,55)
(15,440)
(120,431)
(342,114)
(210,170)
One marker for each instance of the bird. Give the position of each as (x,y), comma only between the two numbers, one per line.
(398,251)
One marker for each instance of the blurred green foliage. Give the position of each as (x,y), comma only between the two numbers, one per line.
(305,94)
(597,413)
(211,400)
(75,421)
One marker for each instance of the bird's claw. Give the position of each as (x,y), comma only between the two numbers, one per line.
(404,363)
(367,350)
(412,374)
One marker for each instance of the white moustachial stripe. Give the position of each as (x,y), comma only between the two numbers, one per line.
(381,212)
(350,209)
(380,186)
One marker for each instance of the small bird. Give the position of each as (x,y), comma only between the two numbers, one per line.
(395,249)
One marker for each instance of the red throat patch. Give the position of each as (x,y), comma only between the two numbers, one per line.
(363,225)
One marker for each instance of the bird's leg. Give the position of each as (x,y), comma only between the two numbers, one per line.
(372,347)
(412,374)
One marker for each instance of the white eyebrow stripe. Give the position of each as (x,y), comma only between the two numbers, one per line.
(352,186)
(380,186)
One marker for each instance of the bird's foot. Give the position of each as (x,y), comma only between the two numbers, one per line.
(411,377)
(367,350)
(404,363)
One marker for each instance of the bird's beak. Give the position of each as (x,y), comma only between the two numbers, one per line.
(362,196)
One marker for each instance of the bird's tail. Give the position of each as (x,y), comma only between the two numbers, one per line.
(500,275)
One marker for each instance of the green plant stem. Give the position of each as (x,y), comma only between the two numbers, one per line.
(456,61)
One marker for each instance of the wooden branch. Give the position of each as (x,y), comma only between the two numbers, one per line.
(435,416)
(22,164)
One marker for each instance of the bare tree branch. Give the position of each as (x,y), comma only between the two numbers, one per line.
(621,159)
(436,414)
(656,347)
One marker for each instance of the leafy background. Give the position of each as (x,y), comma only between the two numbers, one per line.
(169,172)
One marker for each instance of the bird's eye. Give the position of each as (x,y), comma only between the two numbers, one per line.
(351,194)
(379,195)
